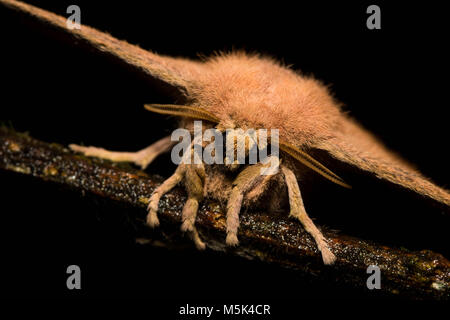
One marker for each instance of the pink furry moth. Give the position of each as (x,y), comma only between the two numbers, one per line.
(243,91)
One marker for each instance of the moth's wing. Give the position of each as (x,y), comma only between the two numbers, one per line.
(176,73)
(360,151)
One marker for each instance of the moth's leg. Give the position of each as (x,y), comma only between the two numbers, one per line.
(194,183)
(247,180)
(194,180)
(141,158)
(166,186)
(298,211)
(194,176)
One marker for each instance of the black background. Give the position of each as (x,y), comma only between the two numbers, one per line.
(392,80)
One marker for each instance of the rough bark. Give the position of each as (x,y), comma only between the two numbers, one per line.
(280,241)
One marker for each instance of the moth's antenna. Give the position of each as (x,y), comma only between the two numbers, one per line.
(313,164)
(183,111)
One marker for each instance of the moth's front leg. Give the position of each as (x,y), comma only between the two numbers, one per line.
(250,181)
(166,186)
(194,183)
(298,211)
(141,158)
(193,176)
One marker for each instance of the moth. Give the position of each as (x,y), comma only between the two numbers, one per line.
(242,91)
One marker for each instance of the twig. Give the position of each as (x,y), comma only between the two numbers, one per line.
(279,240)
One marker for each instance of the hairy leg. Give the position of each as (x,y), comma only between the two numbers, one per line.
(194,176)
(141,158)
(194,179)
(194,183)
(298,211)
(248,179)
(166,186)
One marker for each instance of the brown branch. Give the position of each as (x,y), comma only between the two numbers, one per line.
(280,241)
